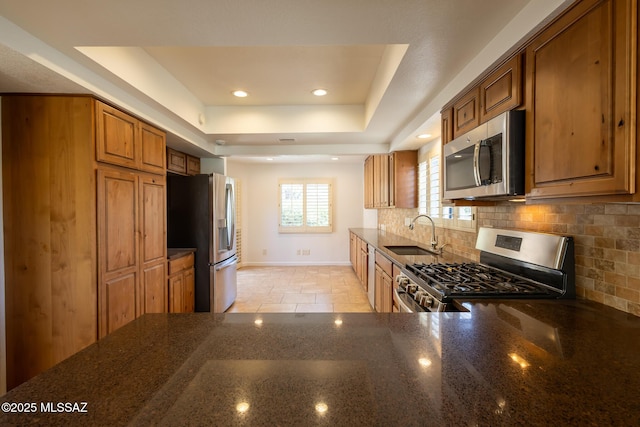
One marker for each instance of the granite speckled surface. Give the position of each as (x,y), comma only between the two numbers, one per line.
(502,363)
(174,253)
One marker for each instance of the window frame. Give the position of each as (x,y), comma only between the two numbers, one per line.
(305,227)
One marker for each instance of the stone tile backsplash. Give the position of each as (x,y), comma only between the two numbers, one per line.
(607,241)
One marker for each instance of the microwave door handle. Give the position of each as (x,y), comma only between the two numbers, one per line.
(476,164)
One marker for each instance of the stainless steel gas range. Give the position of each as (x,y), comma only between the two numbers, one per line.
(513,264)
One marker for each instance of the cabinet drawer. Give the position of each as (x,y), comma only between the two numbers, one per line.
(385,264)
(179,264)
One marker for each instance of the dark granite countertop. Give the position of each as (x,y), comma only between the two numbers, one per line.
(175,253)
(381,239)
(503,363)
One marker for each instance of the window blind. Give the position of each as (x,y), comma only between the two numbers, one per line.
(305,206)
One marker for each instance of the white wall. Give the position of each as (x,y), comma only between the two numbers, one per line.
(259,216)
(212,165)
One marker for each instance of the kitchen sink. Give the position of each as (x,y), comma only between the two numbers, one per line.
(410,250)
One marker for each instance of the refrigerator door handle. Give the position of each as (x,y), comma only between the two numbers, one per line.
(227,263)
(230,215)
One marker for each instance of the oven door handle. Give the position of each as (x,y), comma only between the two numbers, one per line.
(476,163)
(404,308)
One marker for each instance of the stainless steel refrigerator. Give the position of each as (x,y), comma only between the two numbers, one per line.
(201,215)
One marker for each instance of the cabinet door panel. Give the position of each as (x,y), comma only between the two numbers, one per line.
(581,90)
(446,125)
(387,290)
(571,103)
(501,91)
(118,302)
(118,265)
(154,288)
(368,182)
(176,293)
(152,147)
(176,161)
(466,113)
(193,165)
(379,289)
(115,136)
(153,218)
(189,290)
(117,219)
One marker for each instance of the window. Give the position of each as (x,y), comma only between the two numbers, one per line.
(305,206)
(429,197)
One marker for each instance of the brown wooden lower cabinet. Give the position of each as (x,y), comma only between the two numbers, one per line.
(131,248)
(154,289)
(181,284)
(384,284)
(118,301)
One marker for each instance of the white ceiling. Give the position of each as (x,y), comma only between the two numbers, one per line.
(389,65)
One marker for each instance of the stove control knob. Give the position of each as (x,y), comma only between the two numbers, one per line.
(402,280)
(428,301)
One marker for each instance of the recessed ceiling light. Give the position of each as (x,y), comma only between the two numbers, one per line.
(240,93)
(220,141)
(424,136)
(335,158)
(319,92)
(269,159)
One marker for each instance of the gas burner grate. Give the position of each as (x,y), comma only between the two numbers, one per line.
(474,280)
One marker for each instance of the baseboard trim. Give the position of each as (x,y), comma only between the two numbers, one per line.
(293,264)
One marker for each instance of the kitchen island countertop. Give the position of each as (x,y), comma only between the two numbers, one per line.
(502,363)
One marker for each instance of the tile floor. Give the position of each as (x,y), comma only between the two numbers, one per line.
(315,289)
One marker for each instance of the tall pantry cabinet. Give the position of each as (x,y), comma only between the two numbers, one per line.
(132,250)
(85,245)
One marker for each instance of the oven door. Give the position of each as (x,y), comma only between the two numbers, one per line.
(405,303)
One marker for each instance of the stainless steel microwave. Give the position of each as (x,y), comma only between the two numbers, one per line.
(488,161)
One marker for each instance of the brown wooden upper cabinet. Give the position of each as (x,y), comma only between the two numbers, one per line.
(391,180)
(466,112)
(123,140)
(581,92)
(502,90)
(193,165)
(176,161)
(182,163)
(499,91)
(446,134)
(368,182)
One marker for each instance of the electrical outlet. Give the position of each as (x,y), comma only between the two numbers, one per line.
(298,252)
(264,252)
(407,221)
(306,252)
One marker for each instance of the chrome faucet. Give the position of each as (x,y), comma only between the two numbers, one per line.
(434,238)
